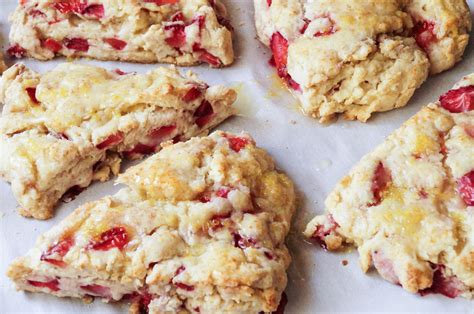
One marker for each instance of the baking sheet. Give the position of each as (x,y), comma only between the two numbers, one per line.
(315,156)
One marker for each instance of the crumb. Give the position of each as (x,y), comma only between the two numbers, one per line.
(344,262)
(293,122)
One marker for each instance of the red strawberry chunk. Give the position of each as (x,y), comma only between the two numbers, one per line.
(279,46)
(243,242)
(183,286)
(79,44)
(178,16)
(52,45)
(116,43)
(162,132)
(449,286)
(209,58)
(466,188)
(95,10)
(204,113)
(111,140)
(322,231)
(223,192)
(380,182)
(31,91)
(458,100)
(282,305)
(59,249)
(113,238)
(176,35)
(16,51)
(216,221)
(237,143)
(36,13)
(424,34)
(269,2)
(192,94)
(52,285)
(201,20)
(140,149)
(161,2)
(98,290)
(68,6)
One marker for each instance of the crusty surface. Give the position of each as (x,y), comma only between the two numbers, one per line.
(206,222)
(183,32)
(3,66)
(401,205)
(359,57)
(72,125)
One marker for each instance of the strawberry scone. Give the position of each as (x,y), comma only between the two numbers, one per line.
(65,128)
(409,206)
(182,32)
(200,228)
(359,57)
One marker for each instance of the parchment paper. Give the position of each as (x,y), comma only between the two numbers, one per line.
(315,157)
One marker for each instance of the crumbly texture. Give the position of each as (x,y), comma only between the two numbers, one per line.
(65,128)
(408,206)
(360,57)
(200,228)
(3,66)
(182,32)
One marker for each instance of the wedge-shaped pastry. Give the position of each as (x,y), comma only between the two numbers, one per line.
(63,129)
(199,228)
(359,57)
(183,32)
(409,206)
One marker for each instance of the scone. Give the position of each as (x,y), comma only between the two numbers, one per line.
(3,66)
(200,227)
(408,206)
(183,32)
(359,57)
(65,128)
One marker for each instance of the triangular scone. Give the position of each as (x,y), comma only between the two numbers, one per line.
(200,228)
(409,206)
(359,57)
(67,127)
(183,32)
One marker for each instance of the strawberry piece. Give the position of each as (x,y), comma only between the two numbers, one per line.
(201,20)
(269,255)
(192,94)
(243,242)
(144,302)
(223,192)
(183,286)
(111,140)
(385,267)
(68,6)
(139,149)
(161,132)
(115,237)
(116,43)
(161,2)
(237,143)
(205,56)
(79,44)
(58,249)
(36,13)
(424,34)
(94,10)
(458,100)
(178,16)
(269,3)
(204,113)
(322,232)
(98,290)
(448,286)
(52,45)
(31,91)
(466,188)
(380,182)
(279,46)
(16,51)
(52,285)
(305,25)
(205,198)
(177,35)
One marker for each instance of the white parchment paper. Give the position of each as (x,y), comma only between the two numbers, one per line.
(315,157)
